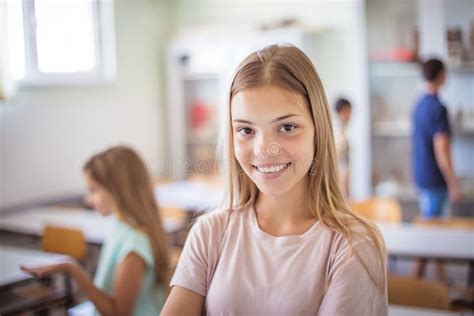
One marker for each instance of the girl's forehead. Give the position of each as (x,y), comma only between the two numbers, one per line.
(267,103)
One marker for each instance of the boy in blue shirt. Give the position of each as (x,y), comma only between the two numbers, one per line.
(432,166)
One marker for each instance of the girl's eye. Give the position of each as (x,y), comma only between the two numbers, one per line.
(245,131)
(287,128)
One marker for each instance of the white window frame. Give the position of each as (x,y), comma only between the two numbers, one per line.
(105,69)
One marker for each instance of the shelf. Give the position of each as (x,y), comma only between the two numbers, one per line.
(465,68)
(202,140)
(394,70)
(391,129)
(464,132)
(394,132)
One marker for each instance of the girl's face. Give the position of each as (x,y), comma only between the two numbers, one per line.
(98,197)
(273,137)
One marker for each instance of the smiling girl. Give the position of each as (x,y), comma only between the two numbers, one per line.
(286,243)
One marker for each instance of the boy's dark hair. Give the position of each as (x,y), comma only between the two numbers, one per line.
(342,103)
(432,68)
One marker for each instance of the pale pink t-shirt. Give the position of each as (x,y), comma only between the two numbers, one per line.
(241,270)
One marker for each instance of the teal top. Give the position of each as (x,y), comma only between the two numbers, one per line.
(123,240)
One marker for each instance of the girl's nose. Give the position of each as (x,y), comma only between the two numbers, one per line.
(265,146)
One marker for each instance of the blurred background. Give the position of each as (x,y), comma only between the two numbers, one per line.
(78,76)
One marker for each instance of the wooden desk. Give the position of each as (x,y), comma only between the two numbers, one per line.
(415,241)
(189,195)
(11,258)
(409,240)
(94,226)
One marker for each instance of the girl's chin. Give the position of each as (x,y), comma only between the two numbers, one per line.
(273,189)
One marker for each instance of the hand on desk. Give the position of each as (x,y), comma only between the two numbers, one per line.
(44,271)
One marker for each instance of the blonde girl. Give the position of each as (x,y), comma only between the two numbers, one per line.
(132,275)
(286,243)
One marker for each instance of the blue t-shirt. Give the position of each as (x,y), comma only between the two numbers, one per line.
(430,117)
(123,240)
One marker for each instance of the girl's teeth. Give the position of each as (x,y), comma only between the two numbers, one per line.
(272,169)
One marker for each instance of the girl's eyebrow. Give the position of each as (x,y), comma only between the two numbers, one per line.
(275,120)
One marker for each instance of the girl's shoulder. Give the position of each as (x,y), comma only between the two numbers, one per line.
(133,239)
(216,220)
(361,237)
(214,224)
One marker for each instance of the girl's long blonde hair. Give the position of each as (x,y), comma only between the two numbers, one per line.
(287,67)
(123,174)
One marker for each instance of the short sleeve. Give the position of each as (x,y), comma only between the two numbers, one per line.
(139,244)
(351,290)
(441,121)
(200,254)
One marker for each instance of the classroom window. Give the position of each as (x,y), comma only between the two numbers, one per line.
(61,41)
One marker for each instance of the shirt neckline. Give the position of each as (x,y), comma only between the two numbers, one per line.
(280,240)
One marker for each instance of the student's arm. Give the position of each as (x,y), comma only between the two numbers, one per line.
(128,280)
(442,150)
(184,302)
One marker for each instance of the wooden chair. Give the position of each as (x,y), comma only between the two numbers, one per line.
(176,214)
(417,293)
(182,218)
(66,241)
(379,209)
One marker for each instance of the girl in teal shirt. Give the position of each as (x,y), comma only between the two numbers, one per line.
(132,275)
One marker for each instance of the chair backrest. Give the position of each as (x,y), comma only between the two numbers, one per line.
(418,293)
(379,209)
(176,214)
(67,241)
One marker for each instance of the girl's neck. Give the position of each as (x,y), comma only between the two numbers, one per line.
(291,207)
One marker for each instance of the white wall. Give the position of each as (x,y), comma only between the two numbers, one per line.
(47,133)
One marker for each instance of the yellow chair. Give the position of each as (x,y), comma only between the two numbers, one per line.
(182,218)
(66,241)
(176,214)
(417,293)
(379,209)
